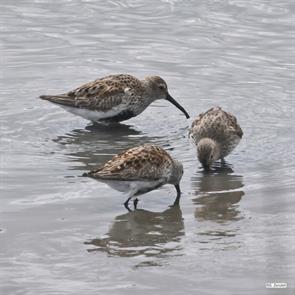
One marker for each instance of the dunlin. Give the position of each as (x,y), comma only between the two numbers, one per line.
(140,170)
(216,133)
(114,98)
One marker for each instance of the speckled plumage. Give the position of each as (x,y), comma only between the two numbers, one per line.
(113,98)
(218,129)
(140,170)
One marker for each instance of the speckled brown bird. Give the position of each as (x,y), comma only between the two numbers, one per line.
(140,170)
(216,133)
(114,98)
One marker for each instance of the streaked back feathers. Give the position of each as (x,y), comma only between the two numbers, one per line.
(147,162)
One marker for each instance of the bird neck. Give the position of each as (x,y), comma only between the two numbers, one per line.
(148,91)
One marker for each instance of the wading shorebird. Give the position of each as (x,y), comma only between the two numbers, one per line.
(216,133)
(140,170)
(114,98)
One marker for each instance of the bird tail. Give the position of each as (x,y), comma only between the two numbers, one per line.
(62,99)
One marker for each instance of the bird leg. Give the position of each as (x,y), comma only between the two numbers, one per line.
(126,204)
(176,202)
(135,203)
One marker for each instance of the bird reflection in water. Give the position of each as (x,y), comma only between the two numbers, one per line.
(141,232)
(97,143)
(218,194)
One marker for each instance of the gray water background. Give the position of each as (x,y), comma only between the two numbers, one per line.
(235,229)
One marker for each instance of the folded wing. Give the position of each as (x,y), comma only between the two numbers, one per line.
(140,163)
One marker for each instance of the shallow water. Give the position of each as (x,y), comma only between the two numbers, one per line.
(63,234)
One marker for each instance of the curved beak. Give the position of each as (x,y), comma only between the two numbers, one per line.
(174,102)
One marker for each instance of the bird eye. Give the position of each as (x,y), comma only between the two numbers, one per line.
(162,87)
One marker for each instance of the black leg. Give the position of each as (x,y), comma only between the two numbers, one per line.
(176,202)
(135,203)
(206,167)
(126,204)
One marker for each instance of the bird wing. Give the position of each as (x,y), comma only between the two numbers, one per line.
(233,126)
(139,163)
(214,122)
(101,95)
(195,130)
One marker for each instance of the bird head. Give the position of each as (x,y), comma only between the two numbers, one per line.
(208,152)
(158,89)
(177,172)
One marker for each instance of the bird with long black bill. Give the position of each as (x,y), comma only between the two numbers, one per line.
(114,98)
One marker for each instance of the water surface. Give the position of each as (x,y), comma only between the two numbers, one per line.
(64,234)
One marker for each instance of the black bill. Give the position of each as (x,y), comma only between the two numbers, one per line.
(174,102)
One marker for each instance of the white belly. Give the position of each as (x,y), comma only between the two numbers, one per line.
(132,187)
(93,115)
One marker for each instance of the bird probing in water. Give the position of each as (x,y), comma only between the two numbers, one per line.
(114,98)
(216,133)
(140,170)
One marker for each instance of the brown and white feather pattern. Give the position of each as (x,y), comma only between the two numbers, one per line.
(102,94)
(147,162)
(114,98)
(218,125)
